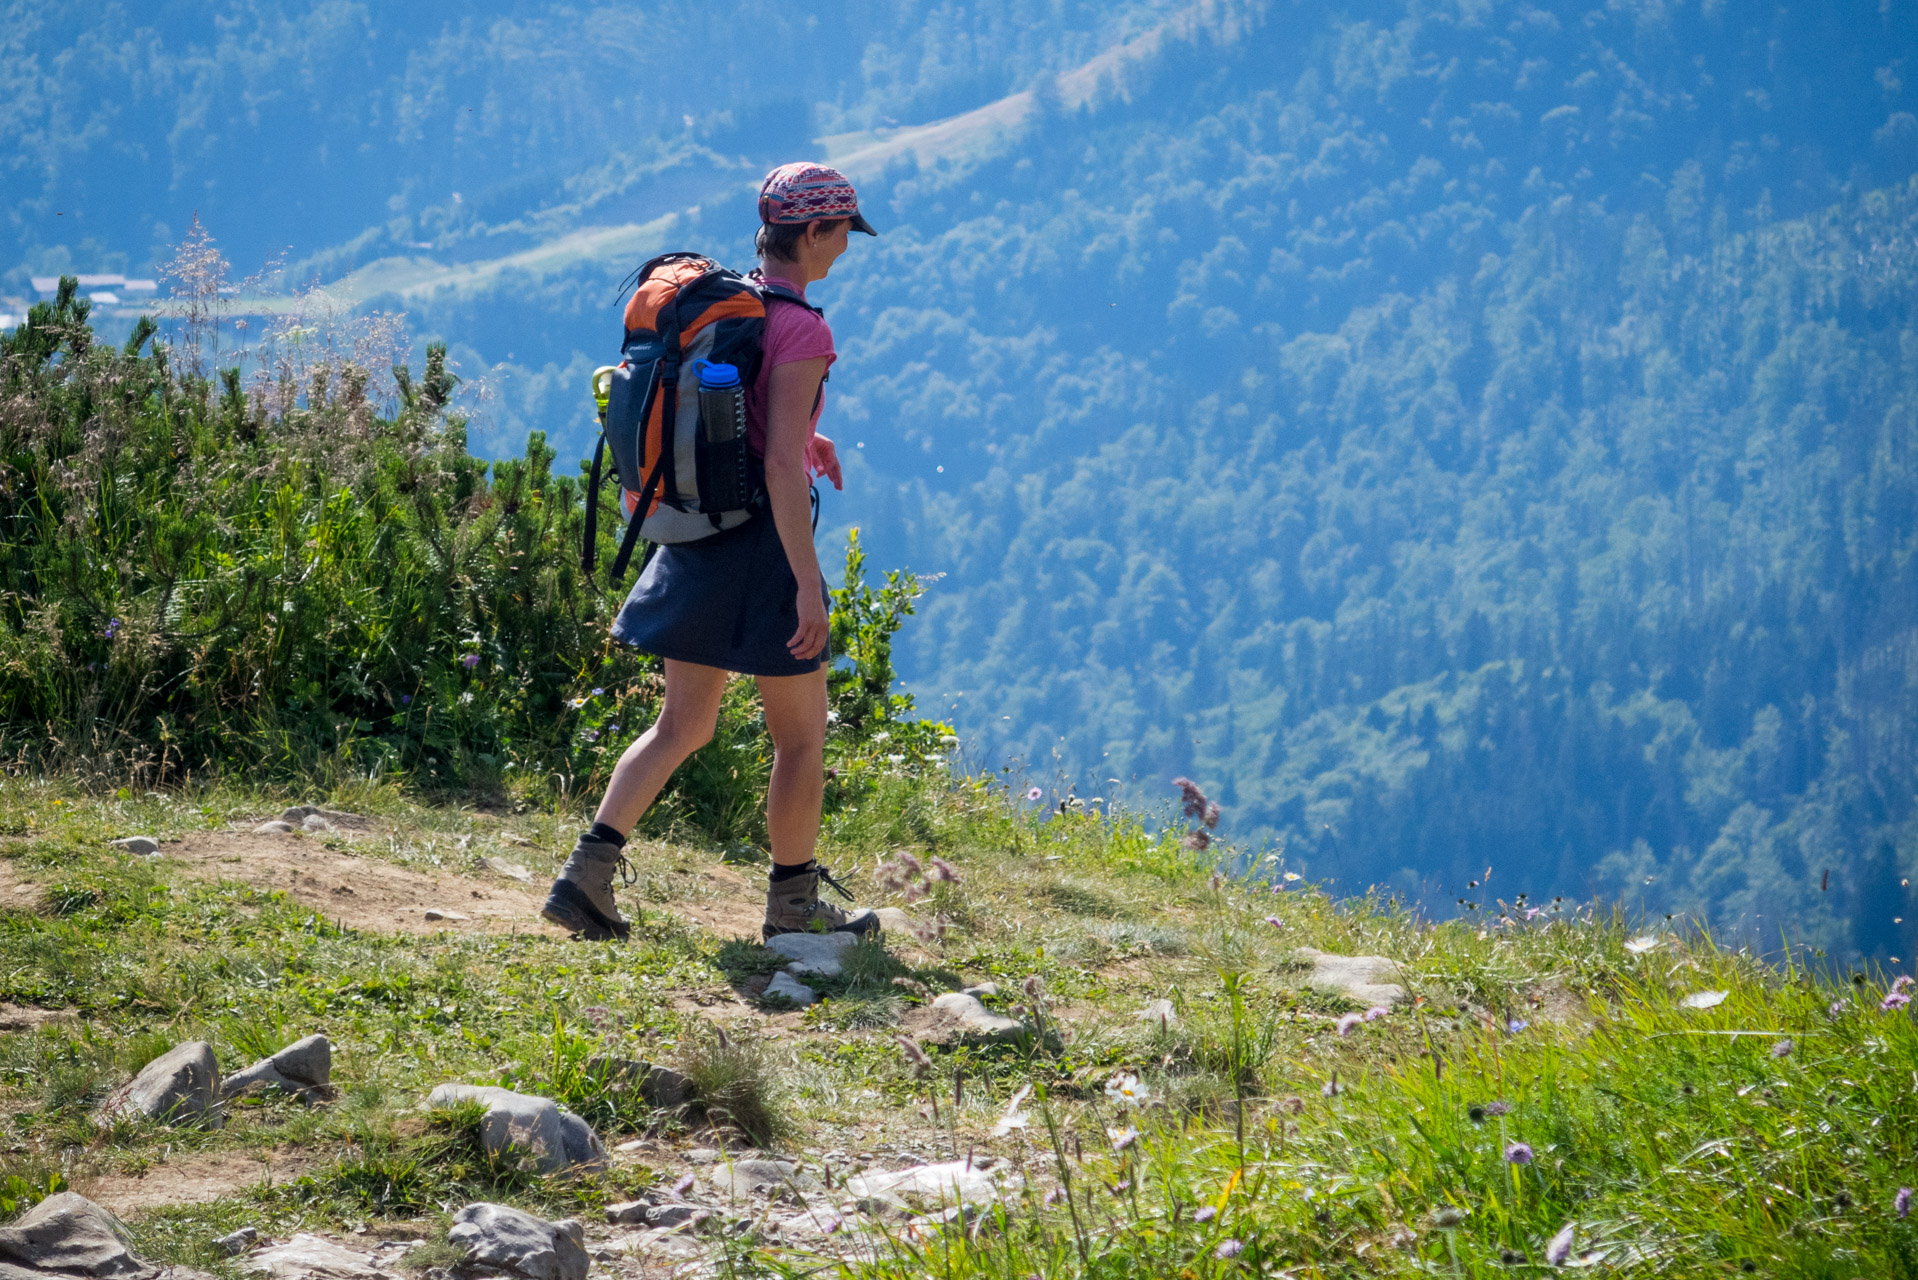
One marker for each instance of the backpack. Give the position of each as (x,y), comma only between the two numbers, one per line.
(686,310)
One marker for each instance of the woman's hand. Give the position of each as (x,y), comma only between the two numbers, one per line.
(822,458)
(810,638)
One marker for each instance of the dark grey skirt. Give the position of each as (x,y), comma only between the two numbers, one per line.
(727,601)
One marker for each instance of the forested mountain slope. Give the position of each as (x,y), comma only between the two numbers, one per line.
(1467,434)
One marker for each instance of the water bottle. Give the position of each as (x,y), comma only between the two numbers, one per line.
(725,463)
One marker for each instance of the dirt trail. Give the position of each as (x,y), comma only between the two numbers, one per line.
(194,1179)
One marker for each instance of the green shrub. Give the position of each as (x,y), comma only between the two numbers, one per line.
(199,576)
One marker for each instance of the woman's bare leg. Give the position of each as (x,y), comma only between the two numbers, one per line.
(796,718)
(685,724)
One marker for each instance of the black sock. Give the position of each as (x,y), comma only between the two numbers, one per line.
(603,832)
(787,873)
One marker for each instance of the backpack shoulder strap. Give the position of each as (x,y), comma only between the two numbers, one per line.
(784,294)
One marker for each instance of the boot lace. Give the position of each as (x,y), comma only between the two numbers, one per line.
(826,875)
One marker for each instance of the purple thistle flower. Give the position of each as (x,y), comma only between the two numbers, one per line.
(1518,1153)
(1903,982)
(1192,801)
(1198,841)
(684,1185)
(1349,1022)
(1560,1246)
(1205,1214)
(1901,1203)
(1894,1000)
(1228,1249)
(1782,1049)
(1498,1108)
(1376,1012)
(470,661)
(1275,922)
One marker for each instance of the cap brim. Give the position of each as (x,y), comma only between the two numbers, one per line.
(859,223)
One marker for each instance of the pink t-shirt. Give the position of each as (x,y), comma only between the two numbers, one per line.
(792,333)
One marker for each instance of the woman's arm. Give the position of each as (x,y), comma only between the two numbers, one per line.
(793,390)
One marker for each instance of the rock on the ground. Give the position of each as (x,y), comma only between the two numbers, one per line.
(660,1087)
(812,953)
(304,815)
(790,989)
(69,1234)
(980,1180)
(1367,980)
(556,1139)
(143,846)
(893,919)
(505,1239)
(238,1242)
(744,1178)
(963,1016)
(511,870)
(980,990)
(311,1257)
(440,913)
(274,828)
(180,1085)
(303,1069)
(675,1214)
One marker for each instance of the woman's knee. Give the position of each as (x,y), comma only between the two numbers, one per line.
(684,732)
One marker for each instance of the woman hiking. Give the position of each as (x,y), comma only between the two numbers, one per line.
(688,607)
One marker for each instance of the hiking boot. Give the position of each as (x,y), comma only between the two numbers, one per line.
(581,901)
(793,906)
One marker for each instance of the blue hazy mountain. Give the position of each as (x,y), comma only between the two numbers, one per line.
(1462,435)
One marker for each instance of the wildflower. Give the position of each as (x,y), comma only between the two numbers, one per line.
(1197,841)
(1532,913)
(943,870)
(1448,1217)
(406,699)
(1559,1247)
(1205,1214)
(1376,1012)
(1518,1153)
(1894,1000)
(1290,876)
(1033,793)
(1125,1089)
(1122,1138)
(576,703)
(1516,1025)
(1120,1187)
(1838,1007)
(1903,982)
(1228,1249)
(1901,1203)
(1275,922)
(612,728)
(1192,801)
(598,692)
(1349,1022)
(1054,1196)
(1218,882)
(915,1056)
(1782,1049)
(1032,987)
(1293,1105)
(1498,1108)
(470,661)
(1640,945)
(684,1185)
(1013,1118)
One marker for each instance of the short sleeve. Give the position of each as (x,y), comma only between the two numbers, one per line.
(794,333)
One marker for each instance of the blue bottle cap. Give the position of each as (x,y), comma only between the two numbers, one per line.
(718,376)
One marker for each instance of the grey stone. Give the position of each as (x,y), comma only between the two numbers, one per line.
(436,913)
(701,1155)
(238,1242)
(744,1178)
(974,1023)
(980,1180)
(273,828)
(303,1069)
(813,953)
(506,1239)
(311,1257)
(555,1139)
(1161,1012)
(1367,980)
(893,919)
(180,1085)
(511,870)
(690,1217)
(68,1233)
(302,815)
(660,1087)
(789,989)
(143,846)
(628,1212)
(979,991)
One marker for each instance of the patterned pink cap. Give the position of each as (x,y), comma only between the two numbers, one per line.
(803,191)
